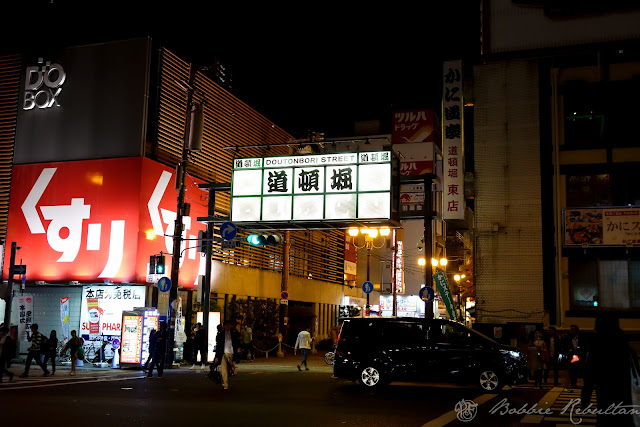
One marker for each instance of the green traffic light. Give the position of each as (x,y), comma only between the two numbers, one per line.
(254,239)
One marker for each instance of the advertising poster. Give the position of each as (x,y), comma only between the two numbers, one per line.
(609,226)
(94,316)
(112,301)
(64,318)
(131,339)
(25,316)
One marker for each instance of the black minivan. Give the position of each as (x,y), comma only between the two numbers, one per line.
(377,351)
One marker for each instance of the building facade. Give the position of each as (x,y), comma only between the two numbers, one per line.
(557,202)
(92,136)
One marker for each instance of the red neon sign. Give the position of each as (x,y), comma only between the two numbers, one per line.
(100,219)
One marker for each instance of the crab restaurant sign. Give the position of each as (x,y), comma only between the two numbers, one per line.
(100,219)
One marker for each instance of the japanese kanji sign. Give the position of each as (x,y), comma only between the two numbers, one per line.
(608,226)
(25,315)
(111,301)
(315,187)
(413,126)
(100,219)
(445,293)
(452,141)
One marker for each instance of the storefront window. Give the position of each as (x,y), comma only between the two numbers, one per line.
(588,190)
(614,284)
(635,283)
(583,276)
(604,283)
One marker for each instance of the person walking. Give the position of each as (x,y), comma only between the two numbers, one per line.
(607,369)
(73,345)
(199,340)
(152,346)
(7,352)
(247,342)
(576,355)
(49,349)
(303,342)
(33,352)
(161,337)
(538,357)
(552,341)
(227,343)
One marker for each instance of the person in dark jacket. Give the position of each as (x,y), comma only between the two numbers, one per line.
(49,351)
(199,344)
(161,338)
(576,353)
(554,349)
(227,343)
(33,352)
(7,351)
(152,346)
(608,370)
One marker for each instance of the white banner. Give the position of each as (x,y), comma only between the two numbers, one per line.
(64,318)
(25,316)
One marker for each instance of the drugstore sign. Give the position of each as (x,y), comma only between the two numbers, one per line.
(99,219)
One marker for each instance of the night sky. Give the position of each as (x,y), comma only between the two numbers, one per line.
(318,68)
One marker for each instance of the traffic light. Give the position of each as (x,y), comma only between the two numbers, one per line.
(160,264)
(152,264)
(156,264)
(264,239)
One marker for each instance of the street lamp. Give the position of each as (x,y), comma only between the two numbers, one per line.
(458,278)
(369,234)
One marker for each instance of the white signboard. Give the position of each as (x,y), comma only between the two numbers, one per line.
(214,321)
(112,301)
(25,316)
(341,186)
(452,141)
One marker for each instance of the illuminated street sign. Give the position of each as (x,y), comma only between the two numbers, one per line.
(317,187)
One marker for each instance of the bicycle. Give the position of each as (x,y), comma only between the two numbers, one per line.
(62,357)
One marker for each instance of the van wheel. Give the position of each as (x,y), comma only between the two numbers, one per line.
(371,377)
(489,380)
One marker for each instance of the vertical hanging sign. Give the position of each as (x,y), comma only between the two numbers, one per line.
(445,293)
(94,316)
(64,317)
(25,316)
(452,141)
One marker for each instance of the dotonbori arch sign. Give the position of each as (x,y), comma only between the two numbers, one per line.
(43,85)
(317,187)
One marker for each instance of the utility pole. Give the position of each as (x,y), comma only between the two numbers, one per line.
(9,299)
(394,272)
(192,142)
(428,243)
(284,308)
(206,286)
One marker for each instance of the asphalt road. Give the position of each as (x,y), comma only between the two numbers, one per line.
(264,393)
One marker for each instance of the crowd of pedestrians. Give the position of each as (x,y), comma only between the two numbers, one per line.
(550,352)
